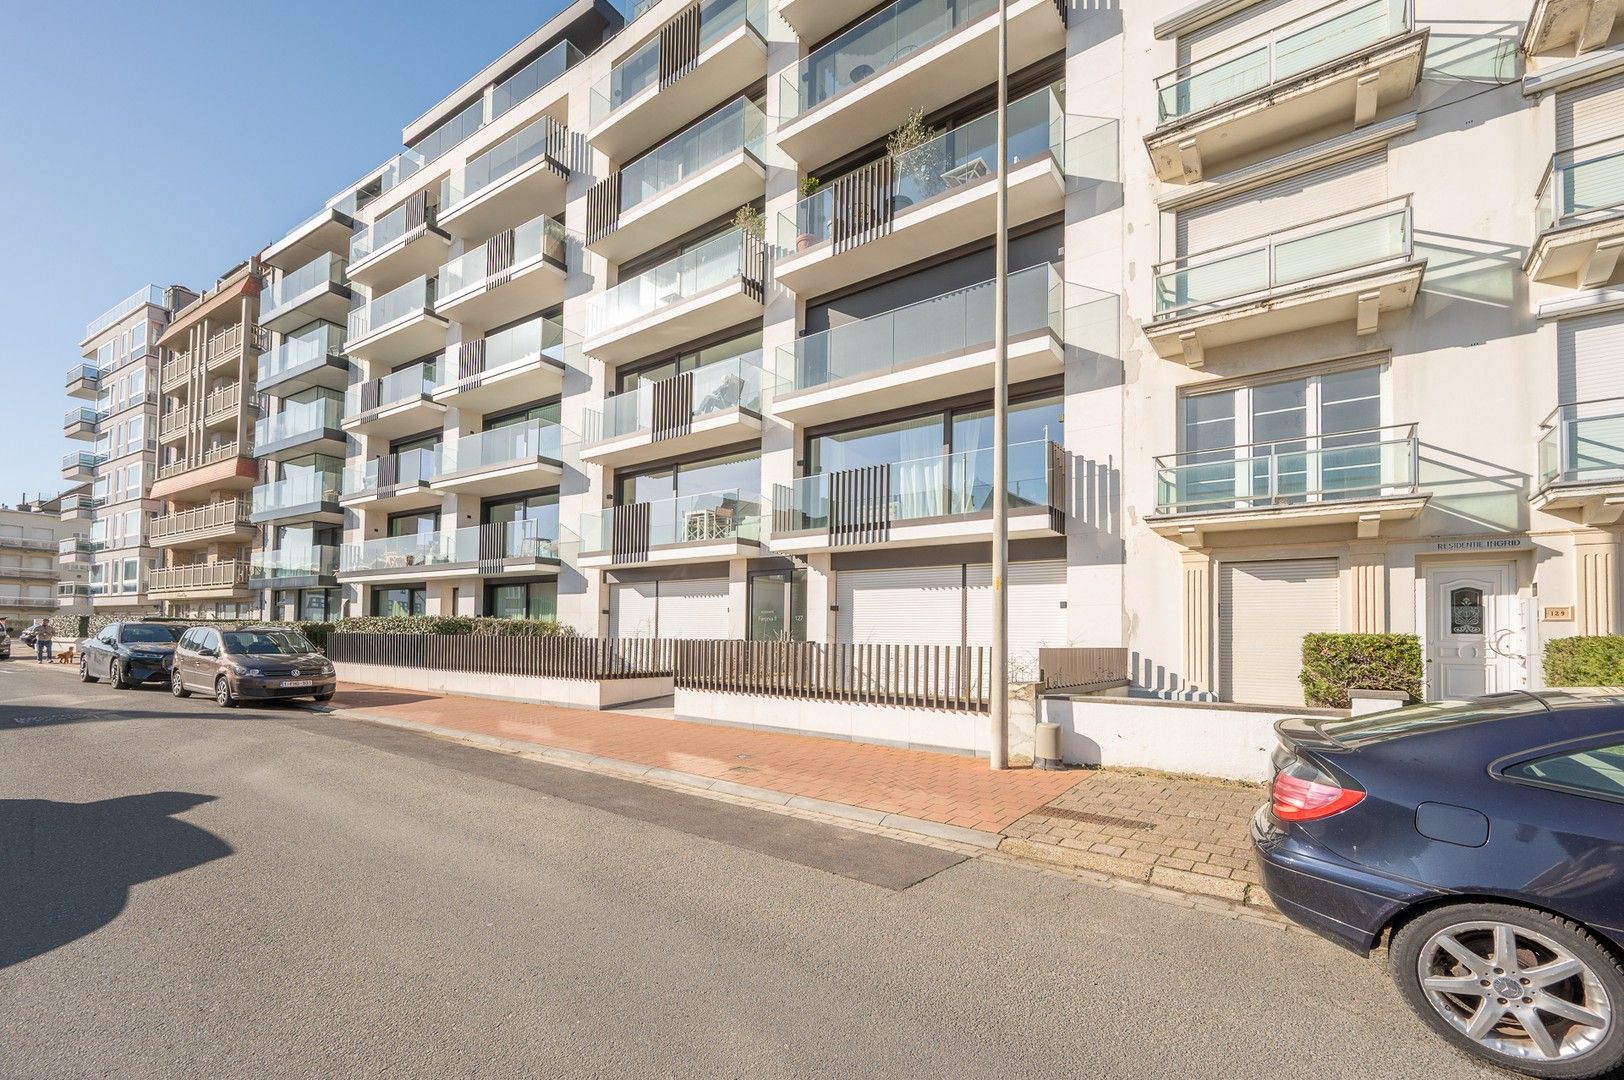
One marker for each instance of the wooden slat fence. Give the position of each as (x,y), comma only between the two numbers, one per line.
(922,676)
(590,659)
(1079,670)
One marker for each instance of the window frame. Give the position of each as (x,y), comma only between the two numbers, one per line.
(1497,768)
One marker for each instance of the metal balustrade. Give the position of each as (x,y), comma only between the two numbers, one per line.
(1366,464)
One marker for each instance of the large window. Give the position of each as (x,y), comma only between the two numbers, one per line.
(423,524)
(932,436)
(688,361)
(400,600)
(523,600)
(737,472)
(548,414)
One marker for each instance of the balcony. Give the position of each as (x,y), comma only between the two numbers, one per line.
(850,91)
(1569,27)
(936,198)
(221,405)
(226,347)
(73,594)
(398,326)
(814,20)
(149,294)
(647,95)
(935,349)
(1357,478)
(524,172)
(1347,268)
(302,427)
(711,527)
(314,358)
(84,381)
(175,373)
(1580,216)
(316,290)
(17,602)
(524,547)
(396,482)
(81,507)
(78,551)
(226,521)
(517,457)
(714,406)
(81,423)
(526,362)
(403,244)
(327,231)
(695,177)
(717,285)
(311,567)
(513,274)
(1581,462)
(174,424)
(200,581)
(220,467)
(400,403)
(28,543)
(945,499)
(1339,64)
(80,466)
(305,496)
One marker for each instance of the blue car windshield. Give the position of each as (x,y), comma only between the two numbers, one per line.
(146,633)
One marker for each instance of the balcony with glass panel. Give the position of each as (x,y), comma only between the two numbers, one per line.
(81,423)
(1360,478)
(934,199)
(1579,216)
(398,558)
(403,244)
(514,273)
(78,551)
(710,527)
(316,290)
(401,403)
(326,232)
(1581,462)
(696,176)
(710,407)
(79,466)
(311,357)
(719,57)
(307,567)
(1569,28)
(928,351)
(306,495)
(525,172)
(397,326)
(302,427)
(1351,267)
(1339,64)
(393,482)
(84,381)
(814,20)
(80,507)
(526,362)
(513,457)
(716,285)
(851,90)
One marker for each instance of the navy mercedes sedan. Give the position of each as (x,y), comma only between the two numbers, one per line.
(129,654)
(1483,843)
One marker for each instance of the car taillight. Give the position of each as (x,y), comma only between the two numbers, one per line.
(1302,792)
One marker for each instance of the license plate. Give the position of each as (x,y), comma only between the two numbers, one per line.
(296,684)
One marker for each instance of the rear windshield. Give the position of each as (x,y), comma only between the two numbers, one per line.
(157,635)
(1419,719)
(266,642)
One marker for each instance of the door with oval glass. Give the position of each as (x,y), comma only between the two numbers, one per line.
(1475,638)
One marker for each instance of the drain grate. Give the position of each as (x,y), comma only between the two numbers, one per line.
(1095,819)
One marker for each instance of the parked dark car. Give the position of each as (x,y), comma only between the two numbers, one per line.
(259,664)
(1484,842)
(129,654)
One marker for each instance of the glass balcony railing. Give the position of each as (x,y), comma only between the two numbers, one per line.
(149,294)
(533,77)
(540,237)
(956,322)
(416,297)
(309,348)
(415,382)
(715,516)
(328,269)
(302,489)
(83,459)
(873,45)
(519,150)
(1345,242)
(739,126)
(411,468)
(1585,183)
(946,485)
(299,562)
(83,415)
(730,257)
(541,540)
(1583,443)
(1323,468)
(1302,44)
(955,159)
(432,147)
(513,444)
(641,69)
(89,373)
(299,418)
(396,553)
(736,383)
(512,349)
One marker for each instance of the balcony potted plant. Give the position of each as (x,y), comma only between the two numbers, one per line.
(809,188)
(916,154)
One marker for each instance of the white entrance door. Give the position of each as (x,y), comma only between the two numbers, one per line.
(1475,640)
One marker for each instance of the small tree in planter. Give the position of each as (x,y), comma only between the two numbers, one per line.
(751,222)
(916,152)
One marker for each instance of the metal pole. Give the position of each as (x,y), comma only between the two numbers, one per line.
(998,745)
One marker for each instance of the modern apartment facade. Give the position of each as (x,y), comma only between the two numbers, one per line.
(32,584)
(678,322)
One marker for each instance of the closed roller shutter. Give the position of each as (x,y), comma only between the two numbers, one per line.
(694,610)
(1241,26)
(633,610)
(1347,185)
(1264,611)
(1588,352)
(1037,619)
(1590,113)
(919,605)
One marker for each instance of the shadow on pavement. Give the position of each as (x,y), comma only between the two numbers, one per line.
(66,868)
(377,699)
(22,717)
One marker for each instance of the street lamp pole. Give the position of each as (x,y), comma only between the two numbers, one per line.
(998,745)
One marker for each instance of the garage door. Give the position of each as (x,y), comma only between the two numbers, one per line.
(1264,611)
(693,610)
(919,605)
(633,609)
(1037,615)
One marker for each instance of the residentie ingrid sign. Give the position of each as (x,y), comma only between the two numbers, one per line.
(1487,543)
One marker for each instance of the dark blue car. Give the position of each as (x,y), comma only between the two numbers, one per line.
(1483,842)
(129,654)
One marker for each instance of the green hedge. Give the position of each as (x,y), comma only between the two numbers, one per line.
(1585,661)
(1334,664)
(456,626)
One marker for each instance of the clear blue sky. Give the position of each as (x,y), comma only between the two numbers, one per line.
(166,141)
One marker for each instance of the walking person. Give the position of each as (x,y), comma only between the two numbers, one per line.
(42,642)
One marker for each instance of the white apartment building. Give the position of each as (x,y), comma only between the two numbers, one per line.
(32,585)
(1313,320)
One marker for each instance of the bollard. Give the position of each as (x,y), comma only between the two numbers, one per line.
(1046,747)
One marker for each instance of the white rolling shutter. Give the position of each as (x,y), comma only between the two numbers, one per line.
(633,610)
(919,605)
(1588,364)
(1346,185)
(1242,26)
(693,610)
(1264,611)
(1590,113)
(1036,618)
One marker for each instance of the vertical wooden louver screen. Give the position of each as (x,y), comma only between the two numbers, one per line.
(499,259)
(861,205)
(417,213)
(673,406)
(470,363)
(492,548)
(1060,5)
(629,535)
(860,505)
(603,208)
(679,46)
(753,267)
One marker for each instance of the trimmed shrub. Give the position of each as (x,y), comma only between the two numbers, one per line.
(1585,661)
(454,626)
(1334,664)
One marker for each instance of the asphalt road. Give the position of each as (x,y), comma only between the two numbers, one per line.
(187,892)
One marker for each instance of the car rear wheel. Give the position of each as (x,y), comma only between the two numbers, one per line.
(223,696)
(84,670)
(177,687)
(1521,988)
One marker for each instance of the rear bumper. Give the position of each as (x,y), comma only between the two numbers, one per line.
(1338,900)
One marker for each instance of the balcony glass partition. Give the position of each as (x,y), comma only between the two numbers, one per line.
(396,553)
(301,489)
(515,347)
(83,372)
(540,237)
(298,562)
(150,294)
(416,297)
(308,348)
(739,126)
(83,415)
(713,517)
(328,269)
(531,78)
(409,468)
(432,146)
(378,235)
(1585,183)
(512,444)
(541,540)
(300,418)
(728,257)
(1324,468)
(524,147)
(414,382)
(736,383)
(640,69)
(1583,443)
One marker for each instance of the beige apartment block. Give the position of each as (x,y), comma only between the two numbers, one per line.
(32,585)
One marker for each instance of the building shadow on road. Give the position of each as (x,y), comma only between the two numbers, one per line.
(23,717)
(377,699)
(66,868)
